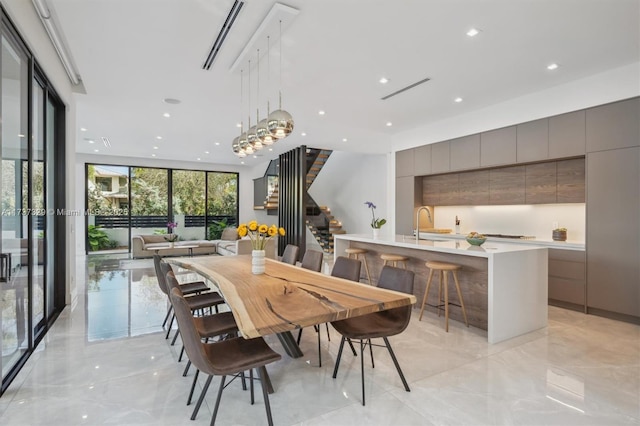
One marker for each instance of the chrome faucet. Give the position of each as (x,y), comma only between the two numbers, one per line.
(418,220)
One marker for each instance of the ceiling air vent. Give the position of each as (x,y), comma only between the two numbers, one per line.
(226,27)
(404,89)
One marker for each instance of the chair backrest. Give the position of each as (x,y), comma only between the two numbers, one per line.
(396,279)
(162,282)
(290,254)
(312,260)
(348,269)
(190,337)
(172,281)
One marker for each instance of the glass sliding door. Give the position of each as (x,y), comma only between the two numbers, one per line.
(188,198)
(222,198)
(14,249)
(149,200)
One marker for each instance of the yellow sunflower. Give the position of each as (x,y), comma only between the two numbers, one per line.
(253,225)
(281,232)
(273,231)
(263,229)
(242,230)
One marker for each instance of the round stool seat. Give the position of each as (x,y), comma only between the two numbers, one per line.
(442,266)
(393,257)
(355,251)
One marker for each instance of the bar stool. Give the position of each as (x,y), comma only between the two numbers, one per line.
(356,252)
(442,269)
(393,259)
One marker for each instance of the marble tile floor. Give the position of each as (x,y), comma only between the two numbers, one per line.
(95,368)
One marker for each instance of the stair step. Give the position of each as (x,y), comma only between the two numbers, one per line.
(339,231)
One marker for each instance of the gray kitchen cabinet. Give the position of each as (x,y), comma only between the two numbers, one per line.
(405,203)
(532,141)
(613,233)
(473,188)
(540,183)
(440,160)
(570,175)
(498,147)
(422,160)
(567,135)
(507,185)
(465,153)
(404,163)
(567,278)
(448,185)
(613,125)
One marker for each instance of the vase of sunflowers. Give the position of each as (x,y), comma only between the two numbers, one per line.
(259,235)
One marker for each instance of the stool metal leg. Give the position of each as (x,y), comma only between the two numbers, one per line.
(446,301)
(464,311)
(426,292)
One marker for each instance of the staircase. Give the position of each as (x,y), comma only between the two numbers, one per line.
(271,202)
(322,224)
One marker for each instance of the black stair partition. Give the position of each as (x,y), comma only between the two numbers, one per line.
(291,203)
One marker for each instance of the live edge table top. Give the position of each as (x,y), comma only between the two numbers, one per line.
(287,297)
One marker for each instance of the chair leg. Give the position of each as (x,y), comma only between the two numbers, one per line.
(251,384)
(328,335)
(395,362)
(181,353)
(244,381)
(262,374)
(170,325)
(373,365)
(352,348)
(319,351)
(299,336)
(362,367)
(215,410)
(193,387)
(335,369)
(166,318)
(426,292)
(201,398)
(175,337)
(186,368)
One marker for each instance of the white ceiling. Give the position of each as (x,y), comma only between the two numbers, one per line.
(133,53)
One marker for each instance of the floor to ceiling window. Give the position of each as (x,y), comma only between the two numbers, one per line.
(32,242)
(123,201)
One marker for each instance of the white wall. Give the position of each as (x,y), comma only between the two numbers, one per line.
(25,18)
(346,181)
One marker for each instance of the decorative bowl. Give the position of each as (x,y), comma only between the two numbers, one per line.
(476,241)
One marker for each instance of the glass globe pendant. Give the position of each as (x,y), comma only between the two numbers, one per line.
(262,130)
(235,146)
(252,139)
(280,122)
(244,144)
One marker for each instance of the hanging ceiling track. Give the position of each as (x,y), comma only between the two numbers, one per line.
(56,38)
(226,27)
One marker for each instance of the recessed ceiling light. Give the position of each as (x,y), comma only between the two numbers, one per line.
(270,149)
(458,99)
(153,155)
(344,139)
(198,158)
(166,114)
(238,125)
(242,162)
(91,141)
(96,150)
(473,32)
(552,67)
(321,112)
(303,134)
(206,152)
(159,137)
(217,144)
(20,135)
(383,80)
(171,101)
(155,147)
(389,124)
(82,129)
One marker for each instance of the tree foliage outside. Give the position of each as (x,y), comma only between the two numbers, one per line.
(223,194)
(188,192)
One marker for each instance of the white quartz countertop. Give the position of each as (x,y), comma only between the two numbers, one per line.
(435,243)
(565,245)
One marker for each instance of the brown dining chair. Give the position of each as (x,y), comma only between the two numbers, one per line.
(195,287)
(346,268)
(379,324)
(312,260)
(290,254)
(220,325)
(223,358)
(197,302)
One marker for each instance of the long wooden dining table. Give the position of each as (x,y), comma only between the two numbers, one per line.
(287,297)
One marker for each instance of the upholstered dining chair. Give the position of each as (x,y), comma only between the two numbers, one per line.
(195,287)
(197,302)
(220,325)
(290,254)
(312,260)
(379,324)
(223,358)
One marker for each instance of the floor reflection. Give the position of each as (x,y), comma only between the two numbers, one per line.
(122,297)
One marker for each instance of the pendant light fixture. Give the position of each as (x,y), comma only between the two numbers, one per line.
(243,141)
(252,137)
(236,145)
(262,129)
(280,122)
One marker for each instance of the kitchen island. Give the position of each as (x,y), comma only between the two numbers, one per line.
(504,286)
